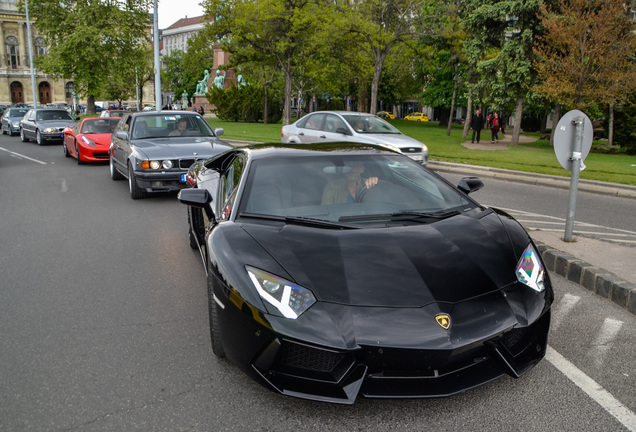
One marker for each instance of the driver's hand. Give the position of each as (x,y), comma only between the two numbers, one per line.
(370,182)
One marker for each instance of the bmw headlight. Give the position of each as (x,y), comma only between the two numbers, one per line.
(167,164)
(530,271)
(49,130)
(290,299)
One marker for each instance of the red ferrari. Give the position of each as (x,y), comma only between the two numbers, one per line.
(89,140)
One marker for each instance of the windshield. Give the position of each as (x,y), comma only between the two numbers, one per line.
(370,124)
(98,126)
(53,115)
(349,189)
(17,112)
(169,125)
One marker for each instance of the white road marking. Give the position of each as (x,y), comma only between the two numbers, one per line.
(608,402)
(64,187)
(21,156)
(562,309)
(603,342)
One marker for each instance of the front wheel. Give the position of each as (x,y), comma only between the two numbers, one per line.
(114,174)
(23,136)
(38,137)
(77,152)
(135,191)
(215,331)
(65,149)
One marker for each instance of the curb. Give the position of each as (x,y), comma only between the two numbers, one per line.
(593,186)
(595,279)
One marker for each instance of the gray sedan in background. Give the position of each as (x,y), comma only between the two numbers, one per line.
(154,150)
(349,126)
(11,120)
(45,125)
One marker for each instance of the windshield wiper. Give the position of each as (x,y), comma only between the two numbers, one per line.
(410,215)
(297,220)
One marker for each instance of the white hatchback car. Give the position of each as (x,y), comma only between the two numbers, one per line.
(349,126)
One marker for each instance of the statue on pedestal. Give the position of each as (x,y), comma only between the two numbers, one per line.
(202,86)
(219,81)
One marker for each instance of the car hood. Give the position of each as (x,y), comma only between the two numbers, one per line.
(452,260)
(397,140)
(179,147)
(103,139)
(55,123)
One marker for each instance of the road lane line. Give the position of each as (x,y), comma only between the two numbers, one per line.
(603,342)
(594,390)
(22,156)
(562,309)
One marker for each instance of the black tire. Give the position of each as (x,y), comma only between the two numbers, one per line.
(65,150)
(4,132)
(215,332)
(114,174)
(23,137)
(135,191)
(195,218)
(38,137)
(77,152)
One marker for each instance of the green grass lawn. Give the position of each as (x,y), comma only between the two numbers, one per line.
(537,157)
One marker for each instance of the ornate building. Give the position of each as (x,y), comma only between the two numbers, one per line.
(15,68)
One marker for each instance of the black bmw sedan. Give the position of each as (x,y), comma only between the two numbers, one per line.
(344,270)
(154,150)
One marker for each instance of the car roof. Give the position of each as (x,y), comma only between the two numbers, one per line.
(164,112)
(275,150)
(341,113)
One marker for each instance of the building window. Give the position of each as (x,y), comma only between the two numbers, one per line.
(13,52)
(40,46)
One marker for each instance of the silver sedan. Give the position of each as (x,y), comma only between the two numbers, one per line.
(349,126)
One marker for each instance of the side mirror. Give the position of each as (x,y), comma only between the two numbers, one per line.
(219,131)
(122,135)
(470,184)
(199,198)
(343,131)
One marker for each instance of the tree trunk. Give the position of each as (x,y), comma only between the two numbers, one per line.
(452,109)
(555,121)
(265,104)
(288,95)
(375,84)
(469,115)
(610,125)
(518,113)
(90,105)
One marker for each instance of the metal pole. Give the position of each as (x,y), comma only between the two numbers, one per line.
(579,124)
(157,69)
(35,99)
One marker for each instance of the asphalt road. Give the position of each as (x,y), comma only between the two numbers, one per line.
(103,326)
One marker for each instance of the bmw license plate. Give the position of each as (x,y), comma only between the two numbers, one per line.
(183,178)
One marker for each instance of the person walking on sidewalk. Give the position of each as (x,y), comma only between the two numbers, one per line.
(494,128)
(476,124)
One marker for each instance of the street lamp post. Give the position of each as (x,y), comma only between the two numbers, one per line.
(28,23)
(157,69)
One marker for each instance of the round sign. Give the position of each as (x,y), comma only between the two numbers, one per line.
(564,137)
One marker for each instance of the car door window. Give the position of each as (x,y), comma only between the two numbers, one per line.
(230,180)
(333,123)
(315,122)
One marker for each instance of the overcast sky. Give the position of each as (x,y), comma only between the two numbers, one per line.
(171,11)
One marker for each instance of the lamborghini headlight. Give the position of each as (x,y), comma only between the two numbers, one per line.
(290,299)
(530,271)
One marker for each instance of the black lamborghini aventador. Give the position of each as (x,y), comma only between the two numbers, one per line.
(344,270)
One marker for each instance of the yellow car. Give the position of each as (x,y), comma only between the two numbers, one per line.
(385,115)
(416,116)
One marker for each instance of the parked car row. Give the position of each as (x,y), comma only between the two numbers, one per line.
(337,270)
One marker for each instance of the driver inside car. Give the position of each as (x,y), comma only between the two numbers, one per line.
(349,187)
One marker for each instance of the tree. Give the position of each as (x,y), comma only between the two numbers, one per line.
(507,30)
(379,26)
(586,54)
(282,32)
(87,37)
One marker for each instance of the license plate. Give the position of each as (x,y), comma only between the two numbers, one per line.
(183,178)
